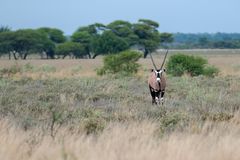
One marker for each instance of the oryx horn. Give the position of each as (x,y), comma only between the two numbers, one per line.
(153,61)
(164,60)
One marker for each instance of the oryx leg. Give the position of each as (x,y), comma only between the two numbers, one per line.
(153,94)
(162,94)
(157,97)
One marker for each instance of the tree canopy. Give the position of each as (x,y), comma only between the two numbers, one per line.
(94,39)
(24,42)
(148,35)
(108,43)
(54,34)
(4,29)
(72,49)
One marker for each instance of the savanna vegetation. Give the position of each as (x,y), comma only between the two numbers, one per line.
(86,42)
(101,108)
(55,112)
(180,64)
(102,39)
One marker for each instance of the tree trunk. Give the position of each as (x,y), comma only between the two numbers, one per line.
(50,54)
(14,55)
(145,53)
(9,55)
(25,56)
(94,56)
(89,55)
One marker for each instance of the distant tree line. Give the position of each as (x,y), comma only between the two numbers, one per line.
(86,42)
(205,40)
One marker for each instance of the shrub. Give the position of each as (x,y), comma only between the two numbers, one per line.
(11,71)
(194,65)
(94,125)
(123,63)
(211,71)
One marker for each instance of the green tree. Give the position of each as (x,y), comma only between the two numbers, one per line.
(84,38)
(71,49)
(30,41)
(5,29)
(124,30)
(85,35)
(148,35)
(166,37)
(54,34)
(6,46)
(93,29)
(108,43)
(24,42)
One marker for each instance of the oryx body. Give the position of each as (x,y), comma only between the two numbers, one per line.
(157,86)
(157,82)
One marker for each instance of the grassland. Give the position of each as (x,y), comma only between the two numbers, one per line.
(60,109)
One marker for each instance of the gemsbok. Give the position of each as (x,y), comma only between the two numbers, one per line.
(157,82)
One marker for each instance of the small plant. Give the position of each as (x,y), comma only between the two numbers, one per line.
(123,63)
(193,65)
(210,71)
(47,68)
(28,68)
(94,125)
(11,71)
(76,69)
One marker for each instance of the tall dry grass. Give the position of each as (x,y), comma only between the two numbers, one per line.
(128,141)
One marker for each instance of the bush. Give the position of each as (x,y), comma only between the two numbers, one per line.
(211,71)
(123,63)
(11,71)
(94,125)
(194,65)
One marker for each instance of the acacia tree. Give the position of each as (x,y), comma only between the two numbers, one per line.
(166,37)
(108,43)
(55,35)
(120,35)
(123,29)
(30,41)
(4,29)
(85,36)
(6,43)
(24,42)
(148,35)
(71,49)
(5,35)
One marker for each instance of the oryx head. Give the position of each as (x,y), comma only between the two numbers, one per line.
(158,72)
